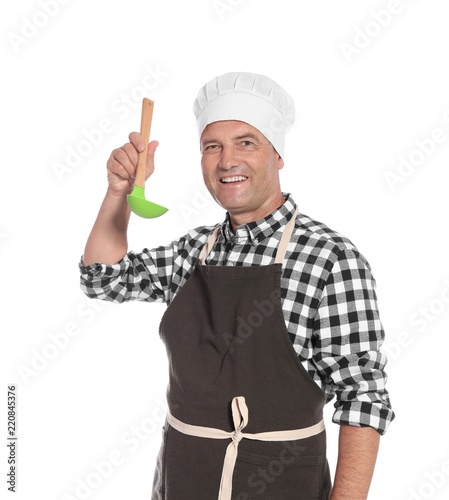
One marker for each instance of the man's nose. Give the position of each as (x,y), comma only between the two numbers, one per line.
(229,157)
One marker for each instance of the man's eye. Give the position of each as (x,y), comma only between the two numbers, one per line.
(248,142)
(212,146)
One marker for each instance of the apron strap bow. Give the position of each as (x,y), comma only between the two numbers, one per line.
(240,418)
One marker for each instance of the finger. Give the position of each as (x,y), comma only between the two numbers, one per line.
(149,167)
(121,157)
(152,146)
(118,170)
(133,155)
(137,141)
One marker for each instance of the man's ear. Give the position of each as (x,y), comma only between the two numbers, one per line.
(280,162)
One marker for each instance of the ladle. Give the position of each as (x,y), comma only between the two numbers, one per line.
(136,200)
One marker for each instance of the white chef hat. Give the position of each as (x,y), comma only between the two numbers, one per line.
(250,98)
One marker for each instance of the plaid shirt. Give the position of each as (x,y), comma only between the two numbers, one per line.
(327,293)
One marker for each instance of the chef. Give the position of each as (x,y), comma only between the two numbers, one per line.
(271,314)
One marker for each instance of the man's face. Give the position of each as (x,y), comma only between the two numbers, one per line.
(231,149)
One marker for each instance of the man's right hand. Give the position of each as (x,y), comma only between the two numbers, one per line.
(122,164)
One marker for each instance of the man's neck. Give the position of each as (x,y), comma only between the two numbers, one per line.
(260,213)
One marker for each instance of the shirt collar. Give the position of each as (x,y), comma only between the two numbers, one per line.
(256,231)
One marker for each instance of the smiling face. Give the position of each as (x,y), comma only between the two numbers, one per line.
(233,149)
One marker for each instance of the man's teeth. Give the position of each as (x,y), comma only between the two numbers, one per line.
(234,179)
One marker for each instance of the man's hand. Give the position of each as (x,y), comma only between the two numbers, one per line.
(122,164)
(357,453)
(107,242)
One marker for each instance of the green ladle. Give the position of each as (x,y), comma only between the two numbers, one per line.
(136,200)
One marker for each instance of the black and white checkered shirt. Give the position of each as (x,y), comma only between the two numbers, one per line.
(327,292)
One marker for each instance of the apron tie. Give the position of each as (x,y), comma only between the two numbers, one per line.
(237,437)
(240,418)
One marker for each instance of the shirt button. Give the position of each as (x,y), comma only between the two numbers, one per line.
(230,263)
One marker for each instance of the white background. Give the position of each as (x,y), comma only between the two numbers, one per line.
(358,111)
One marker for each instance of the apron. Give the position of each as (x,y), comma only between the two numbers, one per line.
(245,419)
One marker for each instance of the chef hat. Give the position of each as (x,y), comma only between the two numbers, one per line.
(247,97)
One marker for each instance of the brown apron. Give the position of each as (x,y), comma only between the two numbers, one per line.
(245,419)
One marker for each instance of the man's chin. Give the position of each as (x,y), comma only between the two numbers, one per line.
(232,201)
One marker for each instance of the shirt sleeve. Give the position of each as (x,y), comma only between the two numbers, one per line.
(144,276)
(349,335)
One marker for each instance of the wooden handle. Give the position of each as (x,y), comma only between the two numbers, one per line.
(145,127)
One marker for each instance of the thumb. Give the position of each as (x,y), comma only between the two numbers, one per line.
(149,169)
(152,146)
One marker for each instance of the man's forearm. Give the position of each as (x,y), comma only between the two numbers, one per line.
(107,242)
(357,453)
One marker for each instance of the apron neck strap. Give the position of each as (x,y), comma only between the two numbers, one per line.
(208,246)
(286,234)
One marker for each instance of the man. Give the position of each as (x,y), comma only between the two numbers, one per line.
(271,314)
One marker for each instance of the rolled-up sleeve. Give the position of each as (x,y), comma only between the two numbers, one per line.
(349,335)
(141,276)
